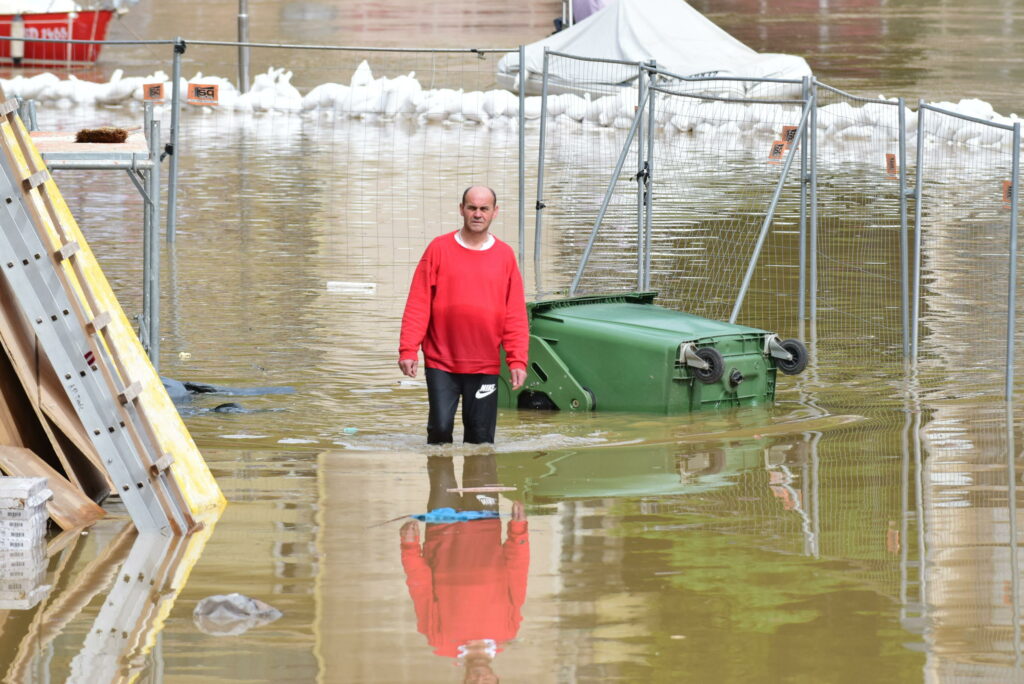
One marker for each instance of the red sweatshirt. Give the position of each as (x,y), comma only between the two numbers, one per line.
(466,584)
(463,304)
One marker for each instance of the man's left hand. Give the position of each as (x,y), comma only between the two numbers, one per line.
(518,376)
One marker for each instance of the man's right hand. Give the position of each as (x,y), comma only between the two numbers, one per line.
(410,532)
(409,366)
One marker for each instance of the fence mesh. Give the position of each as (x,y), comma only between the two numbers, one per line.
(382,148)
(716,167)
(379,143)
(965,252)
(859,310)
(585,133)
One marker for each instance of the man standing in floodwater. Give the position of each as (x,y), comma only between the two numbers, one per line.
(466,301)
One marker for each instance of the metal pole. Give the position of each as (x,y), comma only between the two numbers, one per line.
(804,179)
(522,160)
(1011,479)
(904,512)
(641,90)
(813,246)
(749,275)
(243,52)
(154,270)
(537,230)
(1011,319)
(607,198)
(922,551)
(147,228)
(649,177)
(904,243)
(172,147)
(915,304)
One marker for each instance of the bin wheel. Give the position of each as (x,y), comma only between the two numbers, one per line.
(795,365)
(593,400)
(716,365)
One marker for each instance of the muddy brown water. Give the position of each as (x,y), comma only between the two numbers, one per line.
(862,528)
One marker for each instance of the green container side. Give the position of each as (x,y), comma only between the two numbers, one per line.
(624,350)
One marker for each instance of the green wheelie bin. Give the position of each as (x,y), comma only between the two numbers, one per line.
(624,353)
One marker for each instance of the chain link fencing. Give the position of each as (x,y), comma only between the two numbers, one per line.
(380,142)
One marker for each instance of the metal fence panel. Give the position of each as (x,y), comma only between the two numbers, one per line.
(859,257)
(716,167)
(965,252)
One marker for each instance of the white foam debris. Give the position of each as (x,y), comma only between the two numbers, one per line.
(244,436)
(296,440)
(369,97)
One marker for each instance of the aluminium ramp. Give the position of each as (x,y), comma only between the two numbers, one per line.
(116,394)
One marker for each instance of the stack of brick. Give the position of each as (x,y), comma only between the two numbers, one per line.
(23,519)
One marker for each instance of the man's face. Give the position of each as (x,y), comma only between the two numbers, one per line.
(478,210)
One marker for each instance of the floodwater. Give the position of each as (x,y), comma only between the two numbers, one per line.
(862,528)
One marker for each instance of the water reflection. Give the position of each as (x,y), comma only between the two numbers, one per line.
(71,635)
(963,593)
(466,585)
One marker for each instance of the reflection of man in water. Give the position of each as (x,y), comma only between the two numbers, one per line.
(467,587)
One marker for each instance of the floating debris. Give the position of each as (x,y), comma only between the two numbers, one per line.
(232,614)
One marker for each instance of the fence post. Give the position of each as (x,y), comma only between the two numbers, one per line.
(915,304)
(805,93)
(243,51)
(813,246)
(539,207)
(147,223)
(1011,322)
(904,246)
(172,147)
(153,321)
(641,89)
(649,178)
(522,159)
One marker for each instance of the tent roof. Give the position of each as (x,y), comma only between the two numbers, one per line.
(678,37)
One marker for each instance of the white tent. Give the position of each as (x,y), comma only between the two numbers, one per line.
(679,38)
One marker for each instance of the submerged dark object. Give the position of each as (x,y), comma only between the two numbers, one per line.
(625,353)
(183,394)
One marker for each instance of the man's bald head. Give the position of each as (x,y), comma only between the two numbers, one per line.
(494,195)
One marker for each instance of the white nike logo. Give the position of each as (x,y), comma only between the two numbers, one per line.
(484,391)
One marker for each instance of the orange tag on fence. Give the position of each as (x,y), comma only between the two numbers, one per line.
(153,92)
(202,94)
(1007,193)
(789,135)
(778,149)
(891,167)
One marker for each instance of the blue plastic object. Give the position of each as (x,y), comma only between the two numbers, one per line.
(448,515)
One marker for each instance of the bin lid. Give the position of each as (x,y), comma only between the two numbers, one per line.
(637,310)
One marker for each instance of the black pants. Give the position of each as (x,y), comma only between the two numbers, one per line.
(479,394)
(478,470)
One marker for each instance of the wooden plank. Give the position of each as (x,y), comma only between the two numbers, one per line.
(19,345)
(70,507)
(69,449)
(19,426)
